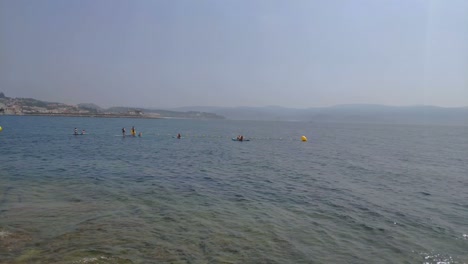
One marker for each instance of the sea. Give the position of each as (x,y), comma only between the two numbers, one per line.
(353,193)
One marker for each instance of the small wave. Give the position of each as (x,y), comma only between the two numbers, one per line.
(90,259)
(4,234)
(101,259)
(432,258)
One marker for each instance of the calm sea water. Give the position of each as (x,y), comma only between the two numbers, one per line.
(352,194)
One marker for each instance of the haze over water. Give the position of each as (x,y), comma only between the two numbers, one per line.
(296,54)
(354,193)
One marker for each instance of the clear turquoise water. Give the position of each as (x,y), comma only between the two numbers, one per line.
(352,194)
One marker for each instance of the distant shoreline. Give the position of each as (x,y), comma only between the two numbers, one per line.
(33,107)
(88,115)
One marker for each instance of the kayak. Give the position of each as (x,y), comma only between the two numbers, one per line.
(235,139)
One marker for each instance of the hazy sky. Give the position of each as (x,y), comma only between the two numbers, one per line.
(236,53)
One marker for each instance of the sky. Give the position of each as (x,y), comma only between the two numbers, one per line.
(174,53)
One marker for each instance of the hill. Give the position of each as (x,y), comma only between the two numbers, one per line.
(351,113)
(29,106)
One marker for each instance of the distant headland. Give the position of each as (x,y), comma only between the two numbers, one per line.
(351,113)
(33,107)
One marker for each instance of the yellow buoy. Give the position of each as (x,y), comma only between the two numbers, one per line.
(1,129)
(303,139)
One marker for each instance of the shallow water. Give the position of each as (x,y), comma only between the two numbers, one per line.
(352,194)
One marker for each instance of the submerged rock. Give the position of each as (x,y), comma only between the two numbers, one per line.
(13,241)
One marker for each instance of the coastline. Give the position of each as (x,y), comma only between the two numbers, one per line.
(89,115)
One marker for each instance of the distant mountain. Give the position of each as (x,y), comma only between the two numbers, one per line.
(167,113)
(90,107)
(351,113)
(250,113)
